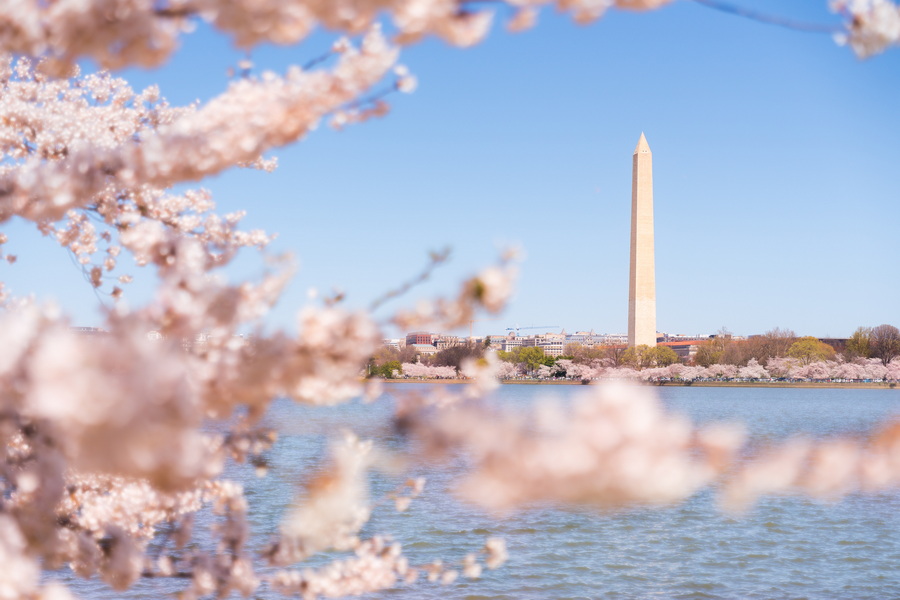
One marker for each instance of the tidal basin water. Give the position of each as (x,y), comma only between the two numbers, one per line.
(786,547)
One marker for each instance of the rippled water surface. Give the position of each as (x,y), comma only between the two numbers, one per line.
(785,548)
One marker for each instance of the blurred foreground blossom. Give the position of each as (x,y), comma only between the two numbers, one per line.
(113,443)
(335,506)
(828,469)
(614,447)
(874,25)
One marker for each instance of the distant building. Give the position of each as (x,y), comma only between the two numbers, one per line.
(676,337)
(395,343)
(496,341)
(552,344)
(839,344)
(587,339)
(685,349)
(510,342)
(420,337)
(615,339)
(592,340)
(424,349)
(442,342)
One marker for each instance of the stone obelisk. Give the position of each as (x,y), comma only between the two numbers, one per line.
(642,283)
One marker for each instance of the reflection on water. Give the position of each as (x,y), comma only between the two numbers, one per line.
(785,548)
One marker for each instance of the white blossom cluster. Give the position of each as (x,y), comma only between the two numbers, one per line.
(105,447)
(873,25)
(68,169)
(146,32)
(427,371)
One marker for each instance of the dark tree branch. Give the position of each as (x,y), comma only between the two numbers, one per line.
(437,258)
(769,19)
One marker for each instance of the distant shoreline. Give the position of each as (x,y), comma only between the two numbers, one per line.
(764,384)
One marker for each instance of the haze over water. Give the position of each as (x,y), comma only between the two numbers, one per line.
(787,547)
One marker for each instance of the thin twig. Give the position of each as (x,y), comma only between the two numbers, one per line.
(769,19)
(317,60)
(371,98)
(436,259)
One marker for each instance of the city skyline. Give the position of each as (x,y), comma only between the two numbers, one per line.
(780,195)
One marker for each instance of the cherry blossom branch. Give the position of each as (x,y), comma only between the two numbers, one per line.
(146,33)
(238,126)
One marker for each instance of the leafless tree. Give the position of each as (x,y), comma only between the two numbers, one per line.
(884,343)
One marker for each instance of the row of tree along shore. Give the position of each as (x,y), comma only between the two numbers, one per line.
(773,383)
(776,357)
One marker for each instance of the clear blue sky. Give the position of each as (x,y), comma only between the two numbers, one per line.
(776,164)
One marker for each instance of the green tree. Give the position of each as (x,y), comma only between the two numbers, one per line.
(532,357)
(663,356)
(858,346)
(708,353)
(385,370)
(387,359)
(639,357)
(391,369)
(809,350)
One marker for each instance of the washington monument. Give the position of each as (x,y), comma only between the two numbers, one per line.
(642,282)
